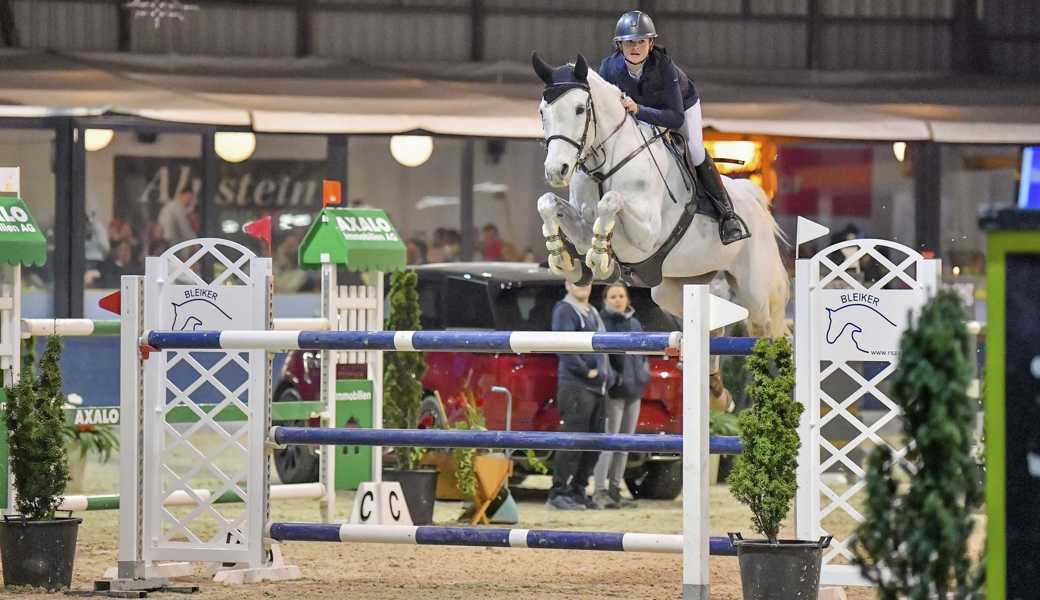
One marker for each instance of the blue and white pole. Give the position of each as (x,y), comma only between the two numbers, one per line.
(505,342)
(489,537)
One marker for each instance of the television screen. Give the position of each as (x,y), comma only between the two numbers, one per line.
(1029,185)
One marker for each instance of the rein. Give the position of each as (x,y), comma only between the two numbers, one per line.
(555,91)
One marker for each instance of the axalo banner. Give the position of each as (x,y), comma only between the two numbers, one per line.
(144,185)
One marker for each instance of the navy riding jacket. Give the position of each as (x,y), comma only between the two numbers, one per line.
(663,92)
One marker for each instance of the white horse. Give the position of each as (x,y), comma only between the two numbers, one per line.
(632,213)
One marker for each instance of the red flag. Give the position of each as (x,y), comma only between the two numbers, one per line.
(261,230)
(112,303)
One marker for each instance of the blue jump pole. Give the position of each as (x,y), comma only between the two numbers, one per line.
(521,440)
(506,342)
(491,537)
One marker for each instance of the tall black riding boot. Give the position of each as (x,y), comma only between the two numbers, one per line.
(731,227)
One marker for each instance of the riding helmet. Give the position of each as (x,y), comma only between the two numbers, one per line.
(634,25)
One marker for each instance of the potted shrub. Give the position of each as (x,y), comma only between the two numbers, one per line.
(892,549)
(37,548)
(764,478)
(402,399)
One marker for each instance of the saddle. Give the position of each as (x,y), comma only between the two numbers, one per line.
(647,272)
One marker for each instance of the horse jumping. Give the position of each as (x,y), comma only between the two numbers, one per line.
(627,196)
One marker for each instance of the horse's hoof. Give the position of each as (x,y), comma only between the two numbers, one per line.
(562,264)
(599,263)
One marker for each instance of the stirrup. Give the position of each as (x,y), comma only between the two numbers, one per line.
(732,216)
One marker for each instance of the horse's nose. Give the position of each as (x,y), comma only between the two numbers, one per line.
(563,171)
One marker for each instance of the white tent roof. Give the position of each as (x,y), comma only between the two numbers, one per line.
(491,100)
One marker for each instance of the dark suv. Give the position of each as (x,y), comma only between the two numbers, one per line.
(507,297)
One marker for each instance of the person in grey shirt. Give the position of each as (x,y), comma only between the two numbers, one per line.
(581,382)
(174,218)
(623,398)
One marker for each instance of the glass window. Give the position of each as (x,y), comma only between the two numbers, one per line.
(141,198)
(466,304)
(975,180)
(857,190)
(32,151)
(430,305)
(527,308)
(282,179)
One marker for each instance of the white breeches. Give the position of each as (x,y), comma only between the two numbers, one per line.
(694,131)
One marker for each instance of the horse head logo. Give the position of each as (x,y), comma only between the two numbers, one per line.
(853,318)
(198,314)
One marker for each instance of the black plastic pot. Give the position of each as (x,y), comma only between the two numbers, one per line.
(786,570)
(38,553)
(420,491)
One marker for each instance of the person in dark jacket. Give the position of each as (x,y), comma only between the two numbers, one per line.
(631,373)
(659,93)
(581,384)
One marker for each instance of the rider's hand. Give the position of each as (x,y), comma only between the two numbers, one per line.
(594,373)
(630,105)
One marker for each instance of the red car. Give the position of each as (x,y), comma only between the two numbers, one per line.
(509,297)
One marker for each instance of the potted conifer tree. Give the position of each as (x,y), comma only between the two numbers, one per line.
(402,399)
(37,547)
(764,478)
(893,550)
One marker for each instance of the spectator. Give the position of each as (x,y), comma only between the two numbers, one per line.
(436,252)
(491,243)
(156,243)
(581,386)
(120,263)
(96,246)
(175,218)
(632,371)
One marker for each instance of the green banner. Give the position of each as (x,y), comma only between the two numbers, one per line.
(360,239)
(21,242)
(353,409)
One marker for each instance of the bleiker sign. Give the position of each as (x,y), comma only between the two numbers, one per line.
(862,325)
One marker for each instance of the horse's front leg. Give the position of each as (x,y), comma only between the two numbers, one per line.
(562,229)
(598,258)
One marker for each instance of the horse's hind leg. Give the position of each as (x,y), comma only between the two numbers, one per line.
(563,229)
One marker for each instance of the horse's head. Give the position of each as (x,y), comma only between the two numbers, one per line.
(567,117)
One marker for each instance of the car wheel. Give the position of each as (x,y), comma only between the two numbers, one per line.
(657,481)
(295,464)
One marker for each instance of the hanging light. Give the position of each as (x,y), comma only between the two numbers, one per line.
(411,150)
(234,146)
(899,149)
(97,139)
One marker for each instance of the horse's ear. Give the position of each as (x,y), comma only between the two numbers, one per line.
(542,68)
(581,69)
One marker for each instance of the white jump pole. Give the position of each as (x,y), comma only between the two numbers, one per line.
(696,319)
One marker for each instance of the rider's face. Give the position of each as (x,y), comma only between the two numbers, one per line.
(635,51)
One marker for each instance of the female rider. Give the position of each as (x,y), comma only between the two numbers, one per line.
(659,93)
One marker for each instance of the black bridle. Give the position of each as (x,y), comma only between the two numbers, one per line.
(553,92)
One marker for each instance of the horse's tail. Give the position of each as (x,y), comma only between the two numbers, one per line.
(763,202)
(780,291)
